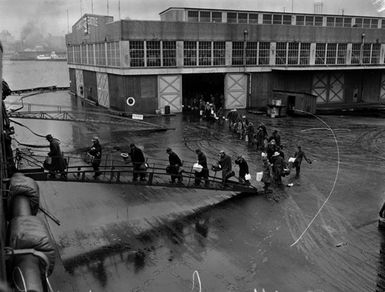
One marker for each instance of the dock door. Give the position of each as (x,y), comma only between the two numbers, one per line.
(235,90)
(170,92)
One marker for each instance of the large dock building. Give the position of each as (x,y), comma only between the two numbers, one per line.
(238,58)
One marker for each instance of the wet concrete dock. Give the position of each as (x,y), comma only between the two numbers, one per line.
(240,244)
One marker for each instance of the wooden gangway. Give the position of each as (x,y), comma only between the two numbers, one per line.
(121,172)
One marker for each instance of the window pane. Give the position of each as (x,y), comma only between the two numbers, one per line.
(304,57)
(204,53)
(280,56)
(287,19)
(242,17)
(320,50)
(252,53)
(339,21)
(347,22)
(331,53)
(216,16)
(266,19)
(253,18)
(204,16)
(231,17)
(356,50)
(366,23)
(190,53)
(277,19)
(330,21)
(309,20)
(358,22)
(237,53)
(293,53)
(153,53)
(318,21)
(366,53)
(169,53)
(264,53)
(299,20)
(136,53)
(219,51)
(375,54)
(341,56)
(374,23)
(192,16)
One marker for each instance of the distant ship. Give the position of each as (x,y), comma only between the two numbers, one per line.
(52,57)
(38,56)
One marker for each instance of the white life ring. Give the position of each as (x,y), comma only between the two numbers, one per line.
(130,101)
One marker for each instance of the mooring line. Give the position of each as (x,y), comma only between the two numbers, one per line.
(335,179)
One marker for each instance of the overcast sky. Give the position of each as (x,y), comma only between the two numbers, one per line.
(51,15)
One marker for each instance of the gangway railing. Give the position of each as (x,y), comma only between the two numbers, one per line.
(120,172)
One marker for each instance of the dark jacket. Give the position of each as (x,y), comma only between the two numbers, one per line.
(174,159)
(299,155)
(225,163)
(137,156)
(243,167)
(56,155)
(202,160)
(96,152)
(278,165)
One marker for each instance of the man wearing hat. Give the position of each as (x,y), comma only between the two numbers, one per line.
(299,156)
(95,152)
(243,169)
(57,160)
(175,166)
(278,167)
(138,162)
(204,173)
(226,167)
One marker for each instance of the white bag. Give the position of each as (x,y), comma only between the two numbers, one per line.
(259,176)
(291,159)
(197,167)
(247,176)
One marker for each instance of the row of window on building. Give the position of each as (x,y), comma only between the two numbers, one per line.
(207,53)
(285,19)
(102,54)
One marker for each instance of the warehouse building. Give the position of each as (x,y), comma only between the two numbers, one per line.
(237,59)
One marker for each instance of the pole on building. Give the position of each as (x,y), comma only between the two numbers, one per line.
(119,9)
(92,6)
(68,23)
(81,8)
(292,6)
(108,8)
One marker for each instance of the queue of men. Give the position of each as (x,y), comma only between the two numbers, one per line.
(274,165)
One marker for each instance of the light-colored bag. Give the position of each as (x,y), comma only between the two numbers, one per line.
(259,176)
(246,138)
(197,167)
(247,176)
(291,160)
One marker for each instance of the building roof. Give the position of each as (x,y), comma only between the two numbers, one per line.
(259,11)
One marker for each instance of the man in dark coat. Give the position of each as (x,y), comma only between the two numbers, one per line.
(57,160)
(202,160)
(138,162)
(299,156)
(95,152)
(243,169)
(174,168)
(278,168)
(226,166)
